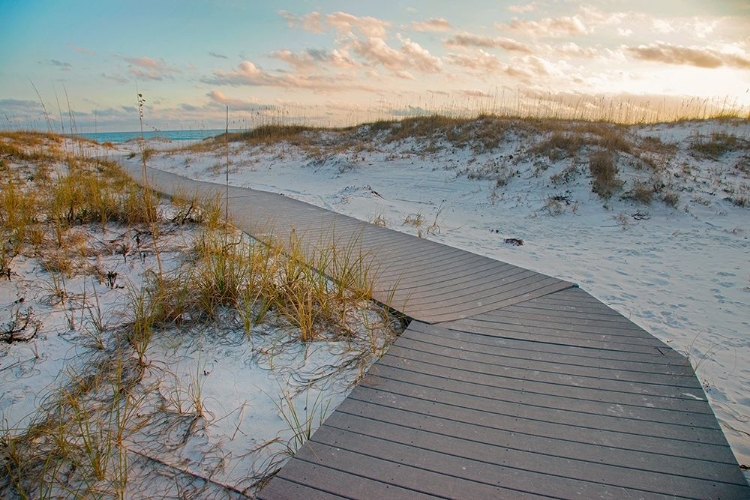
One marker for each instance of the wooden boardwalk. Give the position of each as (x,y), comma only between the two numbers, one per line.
(507,383)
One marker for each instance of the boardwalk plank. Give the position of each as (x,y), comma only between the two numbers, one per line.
(467,441)
(377,403)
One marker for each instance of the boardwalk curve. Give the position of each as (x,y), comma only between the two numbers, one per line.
(506,384)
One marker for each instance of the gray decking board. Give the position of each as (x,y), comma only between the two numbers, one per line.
(614,467)
(550,386)
(534,372)
(459,352)
(540,331)
(376,403)
(645,415)
(508,384)
(592,357)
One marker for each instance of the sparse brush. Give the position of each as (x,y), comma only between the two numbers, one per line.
(604,173)
(671,198)
(301,426)
(741,201)
(642,192)
(379,221)
(717,145)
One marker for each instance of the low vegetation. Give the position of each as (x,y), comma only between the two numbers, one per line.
(72,214)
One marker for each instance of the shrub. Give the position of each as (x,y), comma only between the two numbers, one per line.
(603,173)
(714,147)
(642,192)
(671,198)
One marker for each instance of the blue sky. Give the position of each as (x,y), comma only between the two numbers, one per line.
(334,62)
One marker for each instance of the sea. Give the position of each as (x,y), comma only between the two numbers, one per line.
(172,135)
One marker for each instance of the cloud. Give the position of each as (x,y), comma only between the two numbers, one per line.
(81,50)
(311,22)
(301,62)
(662,26)
(341,22)
(624,32)
(469,40)
(411,56)
(367,26)
(571,49)
(376,51)
(154,69)
(312,58)
(481,62)
(548,27)
(116,78)
(18,105)
(525,68)
(64,66)
(218,97)
(217,56)
(522,8)
(421,57)
(687,56)
(248,73)
(404,75)
(474,93)
(411,111)
(432,24)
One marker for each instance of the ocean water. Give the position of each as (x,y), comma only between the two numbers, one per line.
(172,135)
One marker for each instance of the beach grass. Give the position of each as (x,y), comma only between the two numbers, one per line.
(68,211)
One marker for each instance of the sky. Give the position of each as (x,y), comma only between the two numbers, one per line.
(332,62)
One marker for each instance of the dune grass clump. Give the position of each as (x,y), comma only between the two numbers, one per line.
(717,145)
(604,180)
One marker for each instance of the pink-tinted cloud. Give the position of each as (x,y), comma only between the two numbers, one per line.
(548,27)
(312,22)
(475,93)
(341,22)
(367,26)
(687,56)
(411,56)
(421,57)
(470,40)
(316,58)
(432,24)
(147,68)
(248,73)
(480,62)
(218,97)
(522,8)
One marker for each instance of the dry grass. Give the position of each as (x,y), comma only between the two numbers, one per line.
(79,444)
(604,173)
(717,145)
